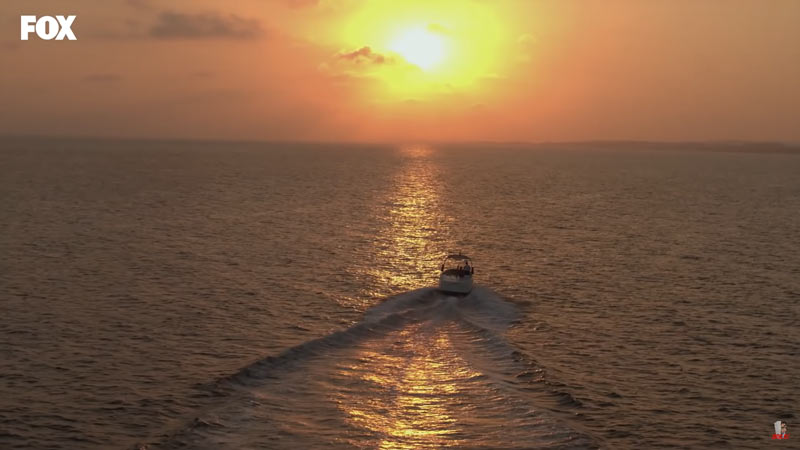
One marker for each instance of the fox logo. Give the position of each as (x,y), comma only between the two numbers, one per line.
(47,27)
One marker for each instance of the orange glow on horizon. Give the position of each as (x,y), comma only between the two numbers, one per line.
(444,70)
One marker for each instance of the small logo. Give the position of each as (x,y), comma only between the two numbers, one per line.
(47,27)
(780,430)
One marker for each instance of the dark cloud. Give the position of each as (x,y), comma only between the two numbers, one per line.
(176,25)
(363,55)
(102,78)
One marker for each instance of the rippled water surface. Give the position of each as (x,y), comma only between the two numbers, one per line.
(232,295)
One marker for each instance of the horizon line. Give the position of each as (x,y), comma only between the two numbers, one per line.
(594,141)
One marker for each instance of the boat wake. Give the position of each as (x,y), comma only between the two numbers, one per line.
(420,370)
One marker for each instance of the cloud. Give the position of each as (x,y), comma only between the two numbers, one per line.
(102,78)
(363,55)
(176,25)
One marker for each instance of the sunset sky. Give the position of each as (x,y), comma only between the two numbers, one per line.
(499,70)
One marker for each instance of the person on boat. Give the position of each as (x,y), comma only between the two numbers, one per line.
(467,268)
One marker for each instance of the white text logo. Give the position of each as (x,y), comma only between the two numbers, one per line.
(47,27)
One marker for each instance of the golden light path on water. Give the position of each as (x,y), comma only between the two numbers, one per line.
(419,370)
(412,415)
(416,382)
(413,388)
(414,236)
(420,374)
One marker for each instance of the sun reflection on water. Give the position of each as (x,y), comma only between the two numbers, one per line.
(411,390)
(409,385)
(407,248)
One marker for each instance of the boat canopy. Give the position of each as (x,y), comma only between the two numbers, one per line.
(454,261)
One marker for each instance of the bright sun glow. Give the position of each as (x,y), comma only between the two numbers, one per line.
(423,48)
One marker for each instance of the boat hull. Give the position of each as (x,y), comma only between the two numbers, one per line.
(454,284)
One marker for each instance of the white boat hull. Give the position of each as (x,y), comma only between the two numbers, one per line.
(455,284)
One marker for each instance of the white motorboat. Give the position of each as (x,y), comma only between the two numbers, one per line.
(456,276)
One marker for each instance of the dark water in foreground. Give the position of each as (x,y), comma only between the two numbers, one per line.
(218,295)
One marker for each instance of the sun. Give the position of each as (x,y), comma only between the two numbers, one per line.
(421,50)
(421,47)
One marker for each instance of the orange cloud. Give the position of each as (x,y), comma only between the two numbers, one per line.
(364,55)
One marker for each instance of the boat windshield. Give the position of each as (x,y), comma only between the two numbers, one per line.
(456,262)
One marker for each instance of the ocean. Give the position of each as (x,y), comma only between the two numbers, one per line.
(211,295)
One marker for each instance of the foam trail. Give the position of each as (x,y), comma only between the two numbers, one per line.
(421,370)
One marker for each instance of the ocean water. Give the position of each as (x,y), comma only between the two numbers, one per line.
(166,295)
